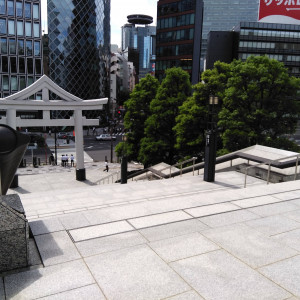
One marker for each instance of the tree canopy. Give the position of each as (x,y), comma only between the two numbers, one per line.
(259,103)
(159,141)
(137,111)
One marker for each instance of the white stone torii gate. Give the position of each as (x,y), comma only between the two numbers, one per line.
(18,102)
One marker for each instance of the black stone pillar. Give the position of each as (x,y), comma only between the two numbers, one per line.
(210,156)
(80,175)
(124,170)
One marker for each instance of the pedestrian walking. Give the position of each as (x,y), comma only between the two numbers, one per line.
(94,130)
(106,167)
(62,160)
(72,160)
(51,159)
(66,160)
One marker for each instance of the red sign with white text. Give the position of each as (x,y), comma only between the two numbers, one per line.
(288,8)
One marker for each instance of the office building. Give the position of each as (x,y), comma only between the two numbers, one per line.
(79,46)
(179,29)
(20,45)
(138,43)
(277,41)
(223,15)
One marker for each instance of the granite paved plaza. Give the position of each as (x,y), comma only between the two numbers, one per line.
(173,239)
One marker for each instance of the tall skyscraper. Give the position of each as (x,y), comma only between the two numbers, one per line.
(179,29)
(138,43)
(79,46)
(20,45)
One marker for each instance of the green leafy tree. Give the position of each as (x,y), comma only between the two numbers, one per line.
(137,111)
(193,118)
(259,103)
(159,142)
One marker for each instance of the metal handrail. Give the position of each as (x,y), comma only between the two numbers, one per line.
(108,178)
(269,163)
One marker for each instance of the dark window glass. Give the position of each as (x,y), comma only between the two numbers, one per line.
(29,48)
(29,65)
(4,63)
(19,9)
(12,46)
(29,80)
(2,7)
(38,67)
(27,10)
(3,42)
(3,26)
(21,47)
(21,65)
(13,64)
(22,82)
(5,85)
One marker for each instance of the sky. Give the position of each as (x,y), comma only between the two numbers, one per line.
(120,9)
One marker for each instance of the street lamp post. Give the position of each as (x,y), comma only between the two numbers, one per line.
(210,143)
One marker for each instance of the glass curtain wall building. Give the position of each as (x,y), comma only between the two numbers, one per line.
(223,15)
(277,41)
(139,42)
(79,46)
(20,45)
(179,29)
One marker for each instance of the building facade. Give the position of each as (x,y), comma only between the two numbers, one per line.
(138,43)
(223,15)
(79,46)
(20,45)
(277,41)
(179,30)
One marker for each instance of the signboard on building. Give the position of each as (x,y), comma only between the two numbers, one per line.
(279,11)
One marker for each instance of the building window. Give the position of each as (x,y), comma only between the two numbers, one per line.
(10,8)
(5,85)
(19,9)
(11,27)
(20,29)
(12,46)
(36,11)
(3,26)
(29,48)
(3,42)
(27,10)
(37,49)
(30,65)
(21,47)
(22,82)
(36,30)
(29,80)
(2,7)
(13,64)
(4,64)
(28,29)
(21,65)
(14,83)
(38,67)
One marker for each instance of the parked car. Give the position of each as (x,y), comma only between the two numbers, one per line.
(61,135)
(105,137)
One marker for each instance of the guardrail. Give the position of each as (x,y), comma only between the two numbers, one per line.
(275,163)
(111,176)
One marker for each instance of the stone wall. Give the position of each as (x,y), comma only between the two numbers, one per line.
(14,234)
